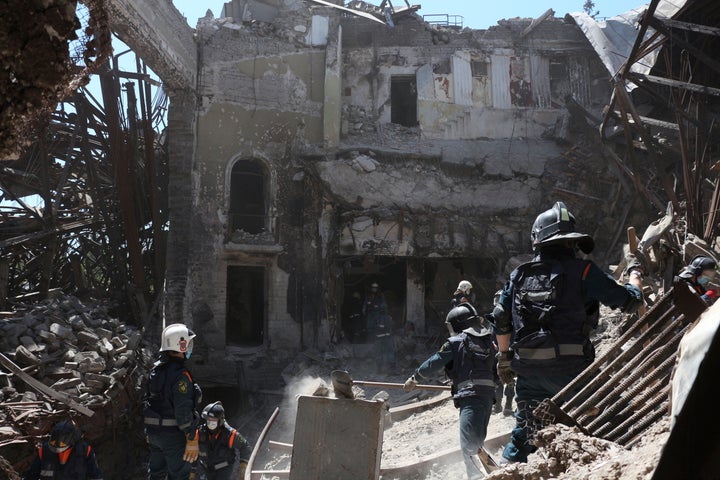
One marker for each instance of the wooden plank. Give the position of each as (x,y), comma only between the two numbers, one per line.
(41,387)
(335,435)
(281,446)
(693,27)
(404,411)
(259,474)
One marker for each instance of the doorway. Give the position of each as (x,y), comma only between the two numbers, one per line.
(403,100)
(245,311)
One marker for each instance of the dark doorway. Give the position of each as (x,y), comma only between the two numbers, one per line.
(403,100)
(359,273)
(247,197)
(245,314)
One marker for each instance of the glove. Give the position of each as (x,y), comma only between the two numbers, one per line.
(410,384)
(241,470)
(192,450)
(504,368)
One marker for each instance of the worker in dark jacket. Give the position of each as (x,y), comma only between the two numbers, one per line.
(220,445)
(170,408)
(548,308)
(467,359)
(65,456)
(697,274)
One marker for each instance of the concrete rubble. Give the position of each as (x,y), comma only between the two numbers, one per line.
(92,363)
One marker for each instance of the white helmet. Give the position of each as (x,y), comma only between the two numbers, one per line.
(464,287)
(176,338)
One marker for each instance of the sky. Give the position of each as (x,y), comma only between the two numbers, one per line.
(478,14)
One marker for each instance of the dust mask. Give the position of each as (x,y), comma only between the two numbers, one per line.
(212,424)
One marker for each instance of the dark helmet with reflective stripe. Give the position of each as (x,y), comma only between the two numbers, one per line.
(214,411)
(700,263)
(557,225)
(64,435)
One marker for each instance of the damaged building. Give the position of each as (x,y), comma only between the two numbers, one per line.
(299,151)
(320,151)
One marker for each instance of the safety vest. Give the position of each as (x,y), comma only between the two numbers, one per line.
(551,321)
(471,369)
(159,410)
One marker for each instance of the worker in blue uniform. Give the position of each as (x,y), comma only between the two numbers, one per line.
(171,402)
(467,359)
(548,308)
(66,456)
(220,446)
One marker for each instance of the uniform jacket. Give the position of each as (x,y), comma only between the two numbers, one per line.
(468,360)
(559,342)
(172,398)
(80,464)
(218,449)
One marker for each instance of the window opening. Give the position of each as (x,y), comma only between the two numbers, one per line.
(247,197)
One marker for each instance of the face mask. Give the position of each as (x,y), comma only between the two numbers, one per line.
(702,280)
(212,424)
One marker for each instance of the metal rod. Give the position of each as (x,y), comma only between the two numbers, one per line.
(399,385)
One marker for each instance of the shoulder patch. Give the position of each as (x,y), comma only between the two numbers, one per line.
(445,347)
(183,386)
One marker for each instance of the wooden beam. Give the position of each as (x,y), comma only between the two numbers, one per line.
(693,27)
(41,387)
(711,62)
(537,21)
(693,87)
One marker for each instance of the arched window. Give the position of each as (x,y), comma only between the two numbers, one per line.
(247,197)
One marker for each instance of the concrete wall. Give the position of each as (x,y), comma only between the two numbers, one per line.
(306,94)
(159,34)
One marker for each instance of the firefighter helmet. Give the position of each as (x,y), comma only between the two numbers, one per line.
(700,263)
(214,414)
(464,287)
(64,435)
(556,226)
(176,338)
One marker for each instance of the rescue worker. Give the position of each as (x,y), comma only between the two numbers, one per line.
(462,294)
(380,328)
(170,407)
(548,308)
(697,274)
(467,359)
(219,445)
(66,456)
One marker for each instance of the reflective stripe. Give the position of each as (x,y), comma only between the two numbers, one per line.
(47,473)
(221,465)
(231,441)
(164,422)
(483,382)
(184,425)
(549,353)
(382,335)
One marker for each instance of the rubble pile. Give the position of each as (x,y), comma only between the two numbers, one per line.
(66,358)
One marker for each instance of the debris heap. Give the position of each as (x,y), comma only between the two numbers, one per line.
(64,358)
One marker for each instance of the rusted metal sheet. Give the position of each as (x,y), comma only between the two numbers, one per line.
(337,438)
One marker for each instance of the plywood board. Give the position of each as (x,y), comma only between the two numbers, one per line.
(337,439)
